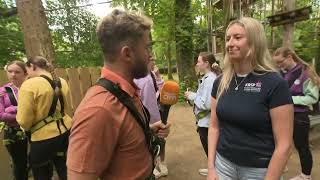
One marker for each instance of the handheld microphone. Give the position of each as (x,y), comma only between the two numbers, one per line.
(169,95)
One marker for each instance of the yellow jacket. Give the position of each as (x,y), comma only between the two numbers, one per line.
(35,99)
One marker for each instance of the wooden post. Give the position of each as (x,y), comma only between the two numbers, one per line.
(288,5)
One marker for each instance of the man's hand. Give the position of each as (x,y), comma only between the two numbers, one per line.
(161,130)
(157,72)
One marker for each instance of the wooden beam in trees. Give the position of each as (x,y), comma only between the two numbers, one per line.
(36,33)
(290,17)
(219,3)
(8,12)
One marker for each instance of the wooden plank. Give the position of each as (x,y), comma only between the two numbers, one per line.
(60,72)
(85,80)
(95,74)
(3,77)
(74,84)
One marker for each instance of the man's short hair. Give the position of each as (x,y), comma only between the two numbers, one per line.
(121,27)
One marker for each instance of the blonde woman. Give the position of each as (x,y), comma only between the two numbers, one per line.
(251,126)
(304,86)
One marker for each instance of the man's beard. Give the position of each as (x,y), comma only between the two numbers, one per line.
(140,68)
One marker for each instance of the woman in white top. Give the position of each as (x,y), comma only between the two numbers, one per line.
(202,98)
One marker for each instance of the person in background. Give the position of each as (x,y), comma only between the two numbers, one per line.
(42,103)
(149,92)
(304,86)
(250,134)
(15,139)
(202,98)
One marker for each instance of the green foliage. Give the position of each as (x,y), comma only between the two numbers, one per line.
(73,34)
(11,37)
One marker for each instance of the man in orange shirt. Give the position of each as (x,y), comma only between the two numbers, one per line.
(106,141)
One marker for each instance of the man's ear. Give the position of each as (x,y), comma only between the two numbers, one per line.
(126,53)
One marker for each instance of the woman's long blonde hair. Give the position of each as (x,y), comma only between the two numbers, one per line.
(258,54)
(285,52)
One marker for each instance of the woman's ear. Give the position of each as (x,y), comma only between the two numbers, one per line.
(33,67)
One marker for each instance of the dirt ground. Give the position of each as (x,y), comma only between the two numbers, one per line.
(184,151)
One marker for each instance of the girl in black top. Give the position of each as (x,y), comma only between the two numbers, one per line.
(251,114)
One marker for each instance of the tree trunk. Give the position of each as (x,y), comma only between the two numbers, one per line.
(183,37)
(169,60)
(209,26)
(288,5)
(228,12)
(272,43)
(317,58)
(37,38)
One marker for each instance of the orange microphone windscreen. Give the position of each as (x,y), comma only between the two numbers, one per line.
(169,93)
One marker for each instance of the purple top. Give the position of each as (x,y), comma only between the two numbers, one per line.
(295,78)
(149,97)
(7,111)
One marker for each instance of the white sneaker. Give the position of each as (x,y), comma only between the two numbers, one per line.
(156,173)
(163,168)
(302,177)
(203,172)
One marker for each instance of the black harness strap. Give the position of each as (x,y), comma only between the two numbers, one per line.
(126,100)
(53,107)
(151,141)
(11,95)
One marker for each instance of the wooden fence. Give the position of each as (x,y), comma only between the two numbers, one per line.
(79,80)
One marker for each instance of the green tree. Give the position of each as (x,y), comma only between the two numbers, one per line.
(74,37)
(184,46)
(11,37)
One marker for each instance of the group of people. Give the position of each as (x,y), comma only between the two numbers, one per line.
(247,114)
(33,111)
(255,108)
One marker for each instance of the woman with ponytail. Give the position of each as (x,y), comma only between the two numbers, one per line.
(41,111)
(208,66)
(304,86)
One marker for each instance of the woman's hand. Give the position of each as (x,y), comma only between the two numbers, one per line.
(212,174)
(11,110)
(186,94)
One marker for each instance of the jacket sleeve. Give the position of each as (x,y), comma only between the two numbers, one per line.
(203,99)
(149,99)
(192,96)
(26,108)
(5,115)
(311,94)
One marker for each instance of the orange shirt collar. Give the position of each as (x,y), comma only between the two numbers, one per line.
(132,90)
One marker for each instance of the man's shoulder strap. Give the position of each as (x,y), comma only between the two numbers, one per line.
(11,95)
(124,98)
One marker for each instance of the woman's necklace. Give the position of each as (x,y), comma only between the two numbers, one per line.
(237,85)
